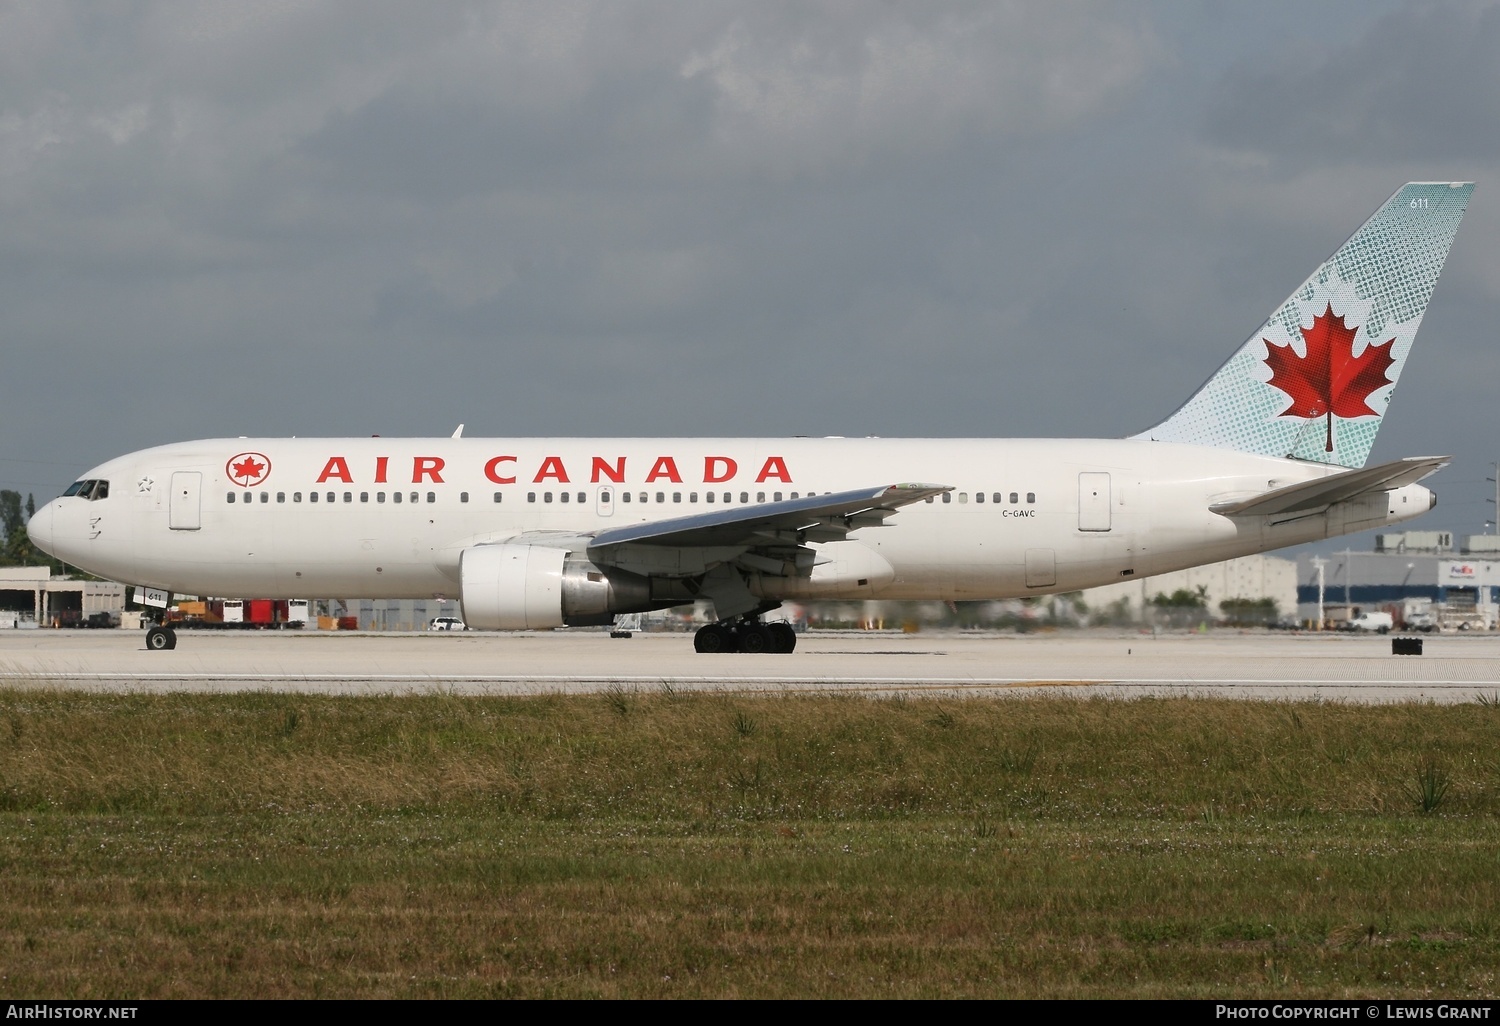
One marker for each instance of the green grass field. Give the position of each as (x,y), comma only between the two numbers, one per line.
(660,845)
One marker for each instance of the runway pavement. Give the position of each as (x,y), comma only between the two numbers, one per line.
(1453,668)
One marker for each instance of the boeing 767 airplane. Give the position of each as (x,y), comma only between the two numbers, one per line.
(547,532)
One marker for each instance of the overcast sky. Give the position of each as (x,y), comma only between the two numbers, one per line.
(621,218)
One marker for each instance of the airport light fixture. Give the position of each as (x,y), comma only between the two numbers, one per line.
(1320,563)
(1495,501)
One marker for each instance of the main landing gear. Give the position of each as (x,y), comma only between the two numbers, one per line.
(747,635)
(159,638)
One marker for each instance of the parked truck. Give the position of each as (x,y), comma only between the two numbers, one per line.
(240,614)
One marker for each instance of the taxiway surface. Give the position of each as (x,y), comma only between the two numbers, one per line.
(1453,668)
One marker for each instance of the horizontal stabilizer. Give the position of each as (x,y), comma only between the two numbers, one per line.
(1335,488)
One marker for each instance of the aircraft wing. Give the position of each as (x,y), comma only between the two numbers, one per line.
(826,517)
(1335,488)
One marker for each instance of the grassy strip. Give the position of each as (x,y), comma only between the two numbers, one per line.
(632,844)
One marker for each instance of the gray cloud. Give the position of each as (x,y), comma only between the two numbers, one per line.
(1418,84)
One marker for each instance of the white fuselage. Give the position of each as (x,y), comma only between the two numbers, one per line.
(393,515)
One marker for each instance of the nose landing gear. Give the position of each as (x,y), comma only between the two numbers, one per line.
(747,635)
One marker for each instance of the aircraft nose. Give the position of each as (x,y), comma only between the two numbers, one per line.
(39,529)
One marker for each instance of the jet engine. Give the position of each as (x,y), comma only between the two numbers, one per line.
(521,587)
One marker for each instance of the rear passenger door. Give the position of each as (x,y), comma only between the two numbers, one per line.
(1093,502)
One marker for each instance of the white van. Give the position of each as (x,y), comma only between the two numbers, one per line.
(1380,623)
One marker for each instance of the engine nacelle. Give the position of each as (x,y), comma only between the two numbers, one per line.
(523,587)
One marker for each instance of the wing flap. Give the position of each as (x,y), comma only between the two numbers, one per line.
(1325,491)
(827,517)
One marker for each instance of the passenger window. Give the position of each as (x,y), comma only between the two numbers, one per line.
(583,497)
(281,496)
(229,497)
(364,496)
(778,496)
(744,497)
(265,496)
(566,496)
(794,495)
(1014,498)
(1031,497)
(708,496)
(432,496)
(546,496)
(413,496)
(348,496)
(726,496)
(997,497)
(947,497)
(603,496)
(624,496)
(692,497)
(676,496)
(661,496)
(978,496)
(395,496)
(312,496)
(330,496)
(497,496)
(380,496)
(464,496)
(531,496)
(760,496)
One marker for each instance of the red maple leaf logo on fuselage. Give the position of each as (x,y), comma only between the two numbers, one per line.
(248,469)
(1330,381)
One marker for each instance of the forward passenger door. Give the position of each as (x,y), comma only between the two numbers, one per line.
(185,510)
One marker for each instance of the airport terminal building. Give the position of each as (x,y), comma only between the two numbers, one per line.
(1248,577)
(1411,574)
(31,597)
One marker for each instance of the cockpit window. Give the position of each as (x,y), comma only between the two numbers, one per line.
(92,489)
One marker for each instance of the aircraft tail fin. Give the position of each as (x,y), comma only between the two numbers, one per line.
(1314,382)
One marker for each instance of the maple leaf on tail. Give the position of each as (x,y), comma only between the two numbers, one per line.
(1330,381)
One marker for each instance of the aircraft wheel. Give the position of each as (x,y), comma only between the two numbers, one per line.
(160,639)
(714,638)
(756,637)
(784,637)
